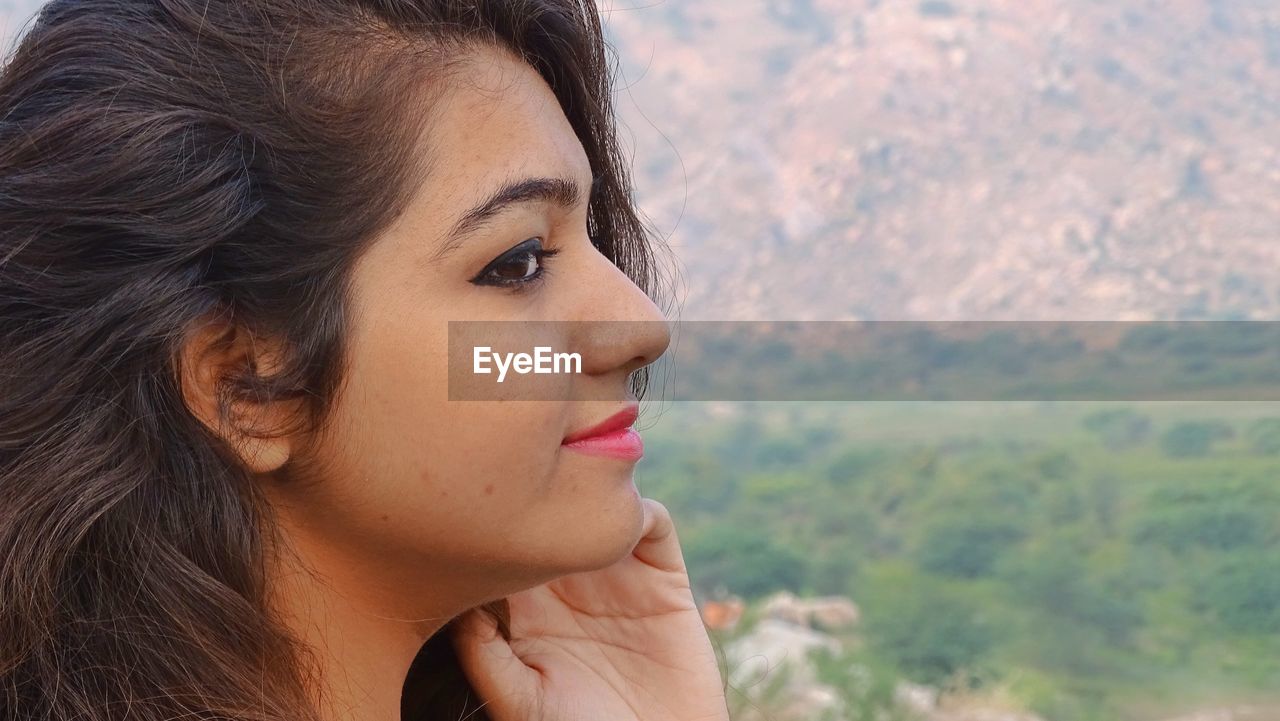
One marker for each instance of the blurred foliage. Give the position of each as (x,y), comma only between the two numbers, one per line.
(923,361)
(1193,438)
(747,560)
(931,631)
(1082,557)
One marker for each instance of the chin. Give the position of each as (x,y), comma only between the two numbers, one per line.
(606,534)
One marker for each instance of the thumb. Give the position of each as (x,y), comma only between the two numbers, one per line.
(659,545)
(504,682)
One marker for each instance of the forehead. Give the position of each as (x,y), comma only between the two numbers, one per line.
(496,119)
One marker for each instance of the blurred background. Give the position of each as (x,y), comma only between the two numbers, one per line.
(960,159)
(971,160)
(967,160)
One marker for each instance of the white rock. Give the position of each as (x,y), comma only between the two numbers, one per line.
(777,647)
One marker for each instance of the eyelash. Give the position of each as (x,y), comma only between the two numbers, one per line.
(515,254)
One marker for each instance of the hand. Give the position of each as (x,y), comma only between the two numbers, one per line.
(623,643)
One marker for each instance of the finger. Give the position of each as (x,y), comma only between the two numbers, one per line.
(659,546)
(503,681)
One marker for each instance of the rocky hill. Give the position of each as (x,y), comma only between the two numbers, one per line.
(961,159)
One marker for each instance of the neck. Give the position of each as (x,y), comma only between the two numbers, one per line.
(364,623)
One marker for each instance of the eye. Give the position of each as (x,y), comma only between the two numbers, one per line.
(522,264)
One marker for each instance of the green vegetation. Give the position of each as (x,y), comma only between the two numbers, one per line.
(989,361)
(1088,560)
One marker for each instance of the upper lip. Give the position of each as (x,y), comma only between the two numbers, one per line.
(616,422)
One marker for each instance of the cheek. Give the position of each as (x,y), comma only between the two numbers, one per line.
(417,471)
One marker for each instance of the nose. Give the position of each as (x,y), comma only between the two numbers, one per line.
(623,330)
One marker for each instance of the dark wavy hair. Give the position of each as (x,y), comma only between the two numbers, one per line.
(162,162)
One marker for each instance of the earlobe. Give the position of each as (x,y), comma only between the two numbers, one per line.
(264,455)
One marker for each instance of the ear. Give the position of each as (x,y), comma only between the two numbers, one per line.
(214,351)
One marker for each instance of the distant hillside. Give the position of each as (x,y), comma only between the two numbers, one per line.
(962,159)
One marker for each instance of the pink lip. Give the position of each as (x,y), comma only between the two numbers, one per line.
(614,437)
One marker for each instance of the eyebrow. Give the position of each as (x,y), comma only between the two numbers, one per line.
(563,192)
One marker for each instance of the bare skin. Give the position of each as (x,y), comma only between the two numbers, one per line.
(625,642)
(410,509)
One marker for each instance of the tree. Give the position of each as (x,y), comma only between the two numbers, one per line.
(967,546)
(1243,592)
(746,560)
(929,631)
(1193,438)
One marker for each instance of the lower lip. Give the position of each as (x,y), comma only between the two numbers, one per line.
(625,444)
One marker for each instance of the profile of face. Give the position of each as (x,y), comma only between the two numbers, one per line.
(485,496)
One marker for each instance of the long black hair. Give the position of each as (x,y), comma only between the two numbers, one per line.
(162,161)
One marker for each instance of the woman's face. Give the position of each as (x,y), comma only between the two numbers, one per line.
(470,493)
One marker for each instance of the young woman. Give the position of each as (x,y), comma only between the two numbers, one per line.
(232,485)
